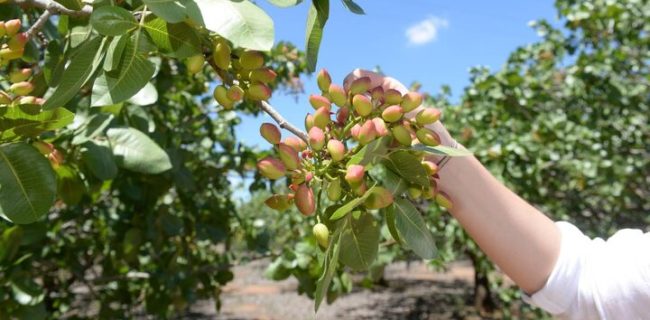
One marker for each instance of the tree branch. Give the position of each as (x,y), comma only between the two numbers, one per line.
(55,8)
(282,122)
(38,25)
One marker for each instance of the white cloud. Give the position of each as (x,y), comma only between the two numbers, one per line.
(426,30)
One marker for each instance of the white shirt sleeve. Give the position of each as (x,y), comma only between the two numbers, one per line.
(598,279)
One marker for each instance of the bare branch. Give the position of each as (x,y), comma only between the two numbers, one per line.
(282,122)
(55,7)
(38,25)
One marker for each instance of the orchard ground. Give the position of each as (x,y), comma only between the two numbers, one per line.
(412,291)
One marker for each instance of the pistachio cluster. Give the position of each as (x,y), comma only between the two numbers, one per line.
(12,41)
(363,115)
(244,73)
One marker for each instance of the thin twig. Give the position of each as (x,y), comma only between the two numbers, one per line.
(38,25)
(282,122)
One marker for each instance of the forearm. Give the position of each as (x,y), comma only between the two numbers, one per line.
(521,240)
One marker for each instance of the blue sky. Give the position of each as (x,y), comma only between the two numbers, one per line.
(433,42)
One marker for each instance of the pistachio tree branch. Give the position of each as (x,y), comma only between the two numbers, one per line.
(38,25)
(55,7)
(265,106)
(282,122)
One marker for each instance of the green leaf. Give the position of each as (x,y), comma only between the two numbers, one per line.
(146,96)
(112,20)
(413,230)
(172,11)
(98,157)
(177,40)
(135,151)
(92,127)
(133,73)
(344,209)
(80,68)
(330,264)
(388,179)
(25,290)
(241,22)
(114,52)
(360,242)
(27,183)
(390,223)
(371,153)
(353,7)
(285,3)
(27,120)
(10,242)
(408,167)
(316,19)
(442,150)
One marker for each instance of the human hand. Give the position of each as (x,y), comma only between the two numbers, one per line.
(378,80)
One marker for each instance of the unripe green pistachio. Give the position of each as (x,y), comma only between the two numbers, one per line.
(22,88)
(321,233)
(19,75)
(367,133)
(259,92)
(360,85)
(322,117)
(309,121)
(316,138)
(354,174)
(263,75)
(270,133)
(362,105)
(334,190)
(289,156)
(324,80)
(4,98)
(251,60)
(336,149)
(278,202)
(195,63)
(427,116)
(379,198)
(318,101)
(380,126)
(271,168)
(392,97)
(337,95)
(415,192)
(430,167)
(411,100)
(235,93)
(296,143)
(7,54)
(305,200)
(402,135)
(221,54)
(392,113)
(221,95)
(18,41)
(427,137)
(12,27)
(443,200)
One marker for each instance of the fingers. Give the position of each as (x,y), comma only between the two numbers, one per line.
(376,80)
